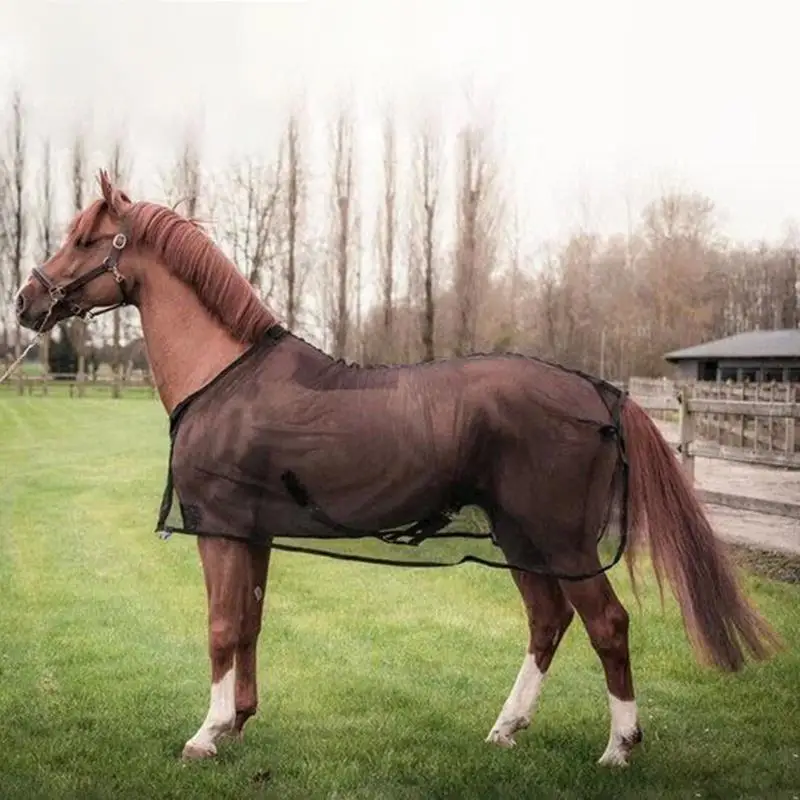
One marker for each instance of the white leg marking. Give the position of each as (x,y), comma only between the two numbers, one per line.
(624,732)
(220,718)
(518,708)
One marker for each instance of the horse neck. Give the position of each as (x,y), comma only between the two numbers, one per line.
(186,345)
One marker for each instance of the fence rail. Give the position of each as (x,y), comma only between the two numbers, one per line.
(79,385)
(692,410)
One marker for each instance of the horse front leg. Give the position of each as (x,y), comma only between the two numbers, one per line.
(226,570)
(253,600)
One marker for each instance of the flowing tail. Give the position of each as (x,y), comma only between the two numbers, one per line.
(663,507)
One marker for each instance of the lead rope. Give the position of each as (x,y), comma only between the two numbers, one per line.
(7,374)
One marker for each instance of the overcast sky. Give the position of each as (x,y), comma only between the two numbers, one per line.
(592,98)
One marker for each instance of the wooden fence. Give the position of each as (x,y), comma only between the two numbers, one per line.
(726,425)
(80,385)
(695,409)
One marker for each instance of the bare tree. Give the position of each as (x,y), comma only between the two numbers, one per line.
(388,228)
(6,279)
(514,281)
(427,179)
(120,166)
(477,221)
(13,221)
(251,212)
(789,315)
(46,231)
(17,186)
(78,164)
(343,196)
(295,197)
(182,184)
(679,231)
(412,296)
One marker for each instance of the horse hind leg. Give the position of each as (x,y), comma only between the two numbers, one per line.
(549,616)
(225,565)
(606,622)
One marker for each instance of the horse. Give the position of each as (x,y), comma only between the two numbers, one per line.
(268,433)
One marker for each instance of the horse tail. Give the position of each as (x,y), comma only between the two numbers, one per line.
(664,508)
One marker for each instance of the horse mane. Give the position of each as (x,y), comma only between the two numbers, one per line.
(193,257)
(189,254)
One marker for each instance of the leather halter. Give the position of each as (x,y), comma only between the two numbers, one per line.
(59,295)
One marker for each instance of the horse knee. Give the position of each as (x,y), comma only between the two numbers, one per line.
(223,638)
(609,631)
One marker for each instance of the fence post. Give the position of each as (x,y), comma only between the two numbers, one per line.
(756,420)
(791,397)
(686,422)
(743,421)
(771,420)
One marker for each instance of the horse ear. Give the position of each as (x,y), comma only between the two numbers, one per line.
(106,188)
(116,200)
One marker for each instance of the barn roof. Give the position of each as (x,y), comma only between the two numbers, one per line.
(754,344)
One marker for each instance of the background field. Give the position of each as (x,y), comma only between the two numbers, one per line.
(376,682)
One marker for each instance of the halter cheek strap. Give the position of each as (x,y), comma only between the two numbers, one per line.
(59,295)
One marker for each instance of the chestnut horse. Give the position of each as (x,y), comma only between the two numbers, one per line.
(200,316)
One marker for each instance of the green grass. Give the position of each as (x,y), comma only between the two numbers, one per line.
(375,682)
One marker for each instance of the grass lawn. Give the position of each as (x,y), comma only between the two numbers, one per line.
(375,682)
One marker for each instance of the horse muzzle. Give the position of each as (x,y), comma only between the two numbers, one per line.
(34,310)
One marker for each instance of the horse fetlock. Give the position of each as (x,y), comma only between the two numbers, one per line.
(619,748)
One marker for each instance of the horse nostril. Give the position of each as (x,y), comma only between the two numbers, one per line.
(20,304)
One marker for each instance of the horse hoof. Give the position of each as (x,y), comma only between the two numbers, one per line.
(619,750)
(614,758)
(505,740)
(195,751)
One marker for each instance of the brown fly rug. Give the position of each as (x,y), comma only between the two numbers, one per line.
(472,459)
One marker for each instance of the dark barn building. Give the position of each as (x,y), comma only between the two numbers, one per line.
(756,356)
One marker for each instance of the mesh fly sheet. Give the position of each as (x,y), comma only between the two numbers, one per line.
(502,460)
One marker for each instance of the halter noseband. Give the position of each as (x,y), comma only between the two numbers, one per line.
(59,294)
